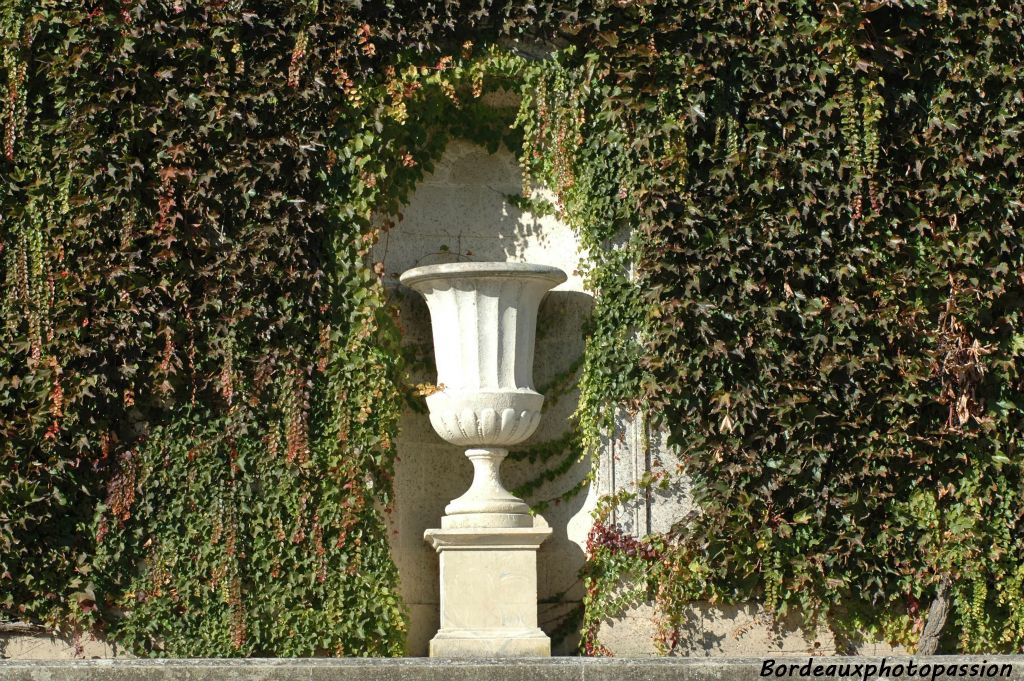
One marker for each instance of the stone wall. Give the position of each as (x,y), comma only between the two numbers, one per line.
(43,645)
(461,211)
(533,669)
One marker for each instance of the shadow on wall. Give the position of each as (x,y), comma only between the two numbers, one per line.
(461,213)
(560,324)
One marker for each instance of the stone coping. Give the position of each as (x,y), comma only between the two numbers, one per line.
(509,669)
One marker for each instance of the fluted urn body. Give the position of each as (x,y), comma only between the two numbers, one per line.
(484,322)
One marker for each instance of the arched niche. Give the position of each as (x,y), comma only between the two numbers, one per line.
(464,210)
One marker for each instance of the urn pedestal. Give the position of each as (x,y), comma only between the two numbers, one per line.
(489,592)
(484,323)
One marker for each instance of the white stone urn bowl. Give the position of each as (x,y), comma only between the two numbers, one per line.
(493,418)
(484,321)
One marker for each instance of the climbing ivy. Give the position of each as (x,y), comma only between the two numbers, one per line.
(201,378)
(803,231)
(804,222)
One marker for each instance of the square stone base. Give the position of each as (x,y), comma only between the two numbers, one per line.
(489,592)
(500,643)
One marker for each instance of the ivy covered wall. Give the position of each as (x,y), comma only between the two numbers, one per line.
(824,210)
(804,227)
(199,380)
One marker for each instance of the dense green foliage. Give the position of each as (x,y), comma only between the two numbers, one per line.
(200,380)
(803,222)
(825,203)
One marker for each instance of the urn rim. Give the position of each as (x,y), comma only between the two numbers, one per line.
(459,270)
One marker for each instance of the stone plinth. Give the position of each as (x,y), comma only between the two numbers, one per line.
(489,592)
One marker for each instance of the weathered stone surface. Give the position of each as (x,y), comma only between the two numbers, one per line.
(504,643)
(415,669)
(509,669)
(715,630)
(489,592)
(44,646)
(484,327)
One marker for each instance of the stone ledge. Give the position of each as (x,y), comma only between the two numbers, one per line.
(425,669)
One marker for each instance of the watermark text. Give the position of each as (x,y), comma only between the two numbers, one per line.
(907,668)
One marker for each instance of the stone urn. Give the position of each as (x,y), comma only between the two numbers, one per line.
(484,321)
